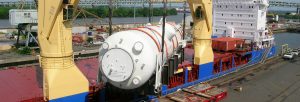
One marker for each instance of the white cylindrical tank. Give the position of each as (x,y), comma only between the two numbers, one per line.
(128,58)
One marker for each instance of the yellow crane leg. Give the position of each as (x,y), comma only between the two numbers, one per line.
(201,11)
(62,80)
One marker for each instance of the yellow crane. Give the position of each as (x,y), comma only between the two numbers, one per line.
(62,80)
(201,11)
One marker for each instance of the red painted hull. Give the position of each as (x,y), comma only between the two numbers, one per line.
(25,83)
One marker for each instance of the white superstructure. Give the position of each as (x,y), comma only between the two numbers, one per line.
(242,19)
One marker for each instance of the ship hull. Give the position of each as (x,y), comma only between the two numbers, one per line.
(257,57)
(90,68)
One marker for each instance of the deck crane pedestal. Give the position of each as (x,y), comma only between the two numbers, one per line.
(201,11)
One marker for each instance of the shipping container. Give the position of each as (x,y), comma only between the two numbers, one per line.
(226,43)
(19,16)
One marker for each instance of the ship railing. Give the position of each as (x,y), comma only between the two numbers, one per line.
(266,37)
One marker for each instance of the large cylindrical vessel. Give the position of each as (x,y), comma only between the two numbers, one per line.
(129,58)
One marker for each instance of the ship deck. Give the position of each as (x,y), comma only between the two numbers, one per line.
(25,83)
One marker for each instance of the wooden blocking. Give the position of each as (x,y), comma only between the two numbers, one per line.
(181,96)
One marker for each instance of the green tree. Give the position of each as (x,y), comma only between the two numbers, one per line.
(4,12)
(103,11)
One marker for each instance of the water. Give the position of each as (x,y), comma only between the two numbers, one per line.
(293,39)
(4,23)
(286,9)
(6,43)
(123,20)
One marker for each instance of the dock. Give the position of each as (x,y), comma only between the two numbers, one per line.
(16,60)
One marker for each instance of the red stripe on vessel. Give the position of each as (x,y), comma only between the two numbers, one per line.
(175,34)
(173,43)
(176,40)
(158,46)
(160,37)
(180,32)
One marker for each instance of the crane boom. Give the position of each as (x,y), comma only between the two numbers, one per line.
(62,80)
(201,11)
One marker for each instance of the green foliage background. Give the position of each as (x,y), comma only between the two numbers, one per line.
(102,11)
(4,12)
(290,16)
(24,50)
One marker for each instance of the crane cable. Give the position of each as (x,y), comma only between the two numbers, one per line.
(164,27)
(85,13)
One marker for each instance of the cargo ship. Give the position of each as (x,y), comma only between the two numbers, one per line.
(240,39)
(130,65)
